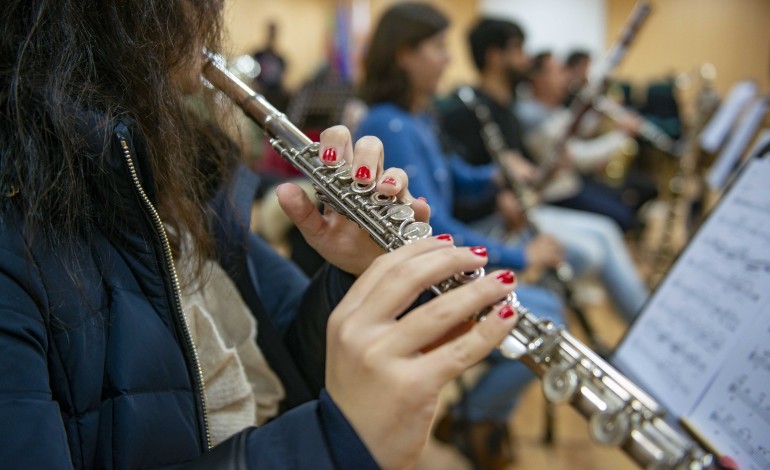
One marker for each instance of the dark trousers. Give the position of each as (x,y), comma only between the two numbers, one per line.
(601,199)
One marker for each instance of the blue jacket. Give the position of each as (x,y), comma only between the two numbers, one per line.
(96,365)
(411,142)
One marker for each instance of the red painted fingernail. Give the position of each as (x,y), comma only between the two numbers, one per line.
(329,155)
(506,277)
(505,312)
(479,250)
(388,180)
(444,236)
(363,173)
(728,463)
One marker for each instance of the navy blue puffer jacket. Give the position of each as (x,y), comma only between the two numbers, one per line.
(96,369)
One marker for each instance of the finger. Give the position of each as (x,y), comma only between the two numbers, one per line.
(558,249)
(427,325)
(367,159)
(366,286)
(447,361)
(392,182)
(395,280)
(335,143)
(421,210)
(297,205)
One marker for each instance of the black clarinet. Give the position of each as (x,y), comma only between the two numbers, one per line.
(619,412)
(560,278)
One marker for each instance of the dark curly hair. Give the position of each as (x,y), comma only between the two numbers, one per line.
(119,58)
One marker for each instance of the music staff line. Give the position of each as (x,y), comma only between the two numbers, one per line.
(759,454)
(723,317)
(760,361)
(706,338)
(751,204)
(740,223)
(738,254)
(743,393)
(732,283)
(665,368)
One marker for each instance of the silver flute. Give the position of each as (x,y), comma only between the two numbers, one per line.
(619,412)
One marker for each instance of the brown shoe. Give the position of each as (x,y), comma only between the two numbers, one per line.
(490,445)
(486,444)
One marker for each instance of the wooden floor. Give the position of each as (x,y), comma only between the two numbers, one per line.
(572,448)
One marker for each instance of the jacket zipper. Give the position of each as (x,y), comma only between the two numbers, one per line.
(169,259)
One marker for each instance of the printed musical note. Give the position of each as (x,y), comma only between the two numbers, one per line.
(739,254)
(753,455)
(734,412)
(760,360)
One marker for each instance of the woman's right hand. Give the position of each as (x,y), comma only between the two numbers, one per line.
(384,373)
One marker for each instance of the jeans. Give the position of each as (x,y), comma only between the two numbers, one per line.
(593,243)
(600,199)
(494,395)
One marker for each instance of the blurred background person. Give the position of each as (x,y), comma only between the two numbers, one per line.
(272,69)
(545,121)
(405,60)
(593,243)
(576,65)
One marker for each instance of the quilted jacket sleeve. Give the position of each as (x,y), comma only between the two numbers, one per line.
(314,436)
(32,433)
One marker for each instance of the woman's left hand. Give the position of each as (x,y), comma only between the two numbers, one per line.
(339,240)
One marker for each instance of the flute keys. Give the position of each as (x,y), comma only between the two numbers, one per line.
(560,384)
(359,188)
(416,231)
(463,277)
(343,174)
(511,348)
(609,428)
(400,213)
(379,199)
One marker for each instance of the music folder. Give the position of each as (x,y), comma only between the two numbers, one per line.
(701,344)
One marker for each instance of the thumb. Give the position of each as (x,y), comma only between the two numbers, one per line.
(298,207)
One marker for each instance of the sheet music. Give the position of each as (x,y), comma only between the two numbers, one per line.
(709,303)
(719,126)
(737,143)
(735,413)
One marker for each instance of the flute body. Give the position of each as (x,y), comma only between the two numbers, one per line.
(619,413)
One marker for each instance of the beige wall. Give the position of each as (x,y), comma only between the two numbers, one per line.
(304,29)
(680,35)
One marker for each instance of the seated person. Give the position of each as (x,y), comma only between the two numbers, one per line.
(593,243)
(545,120)
(405,59)
(106,178)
